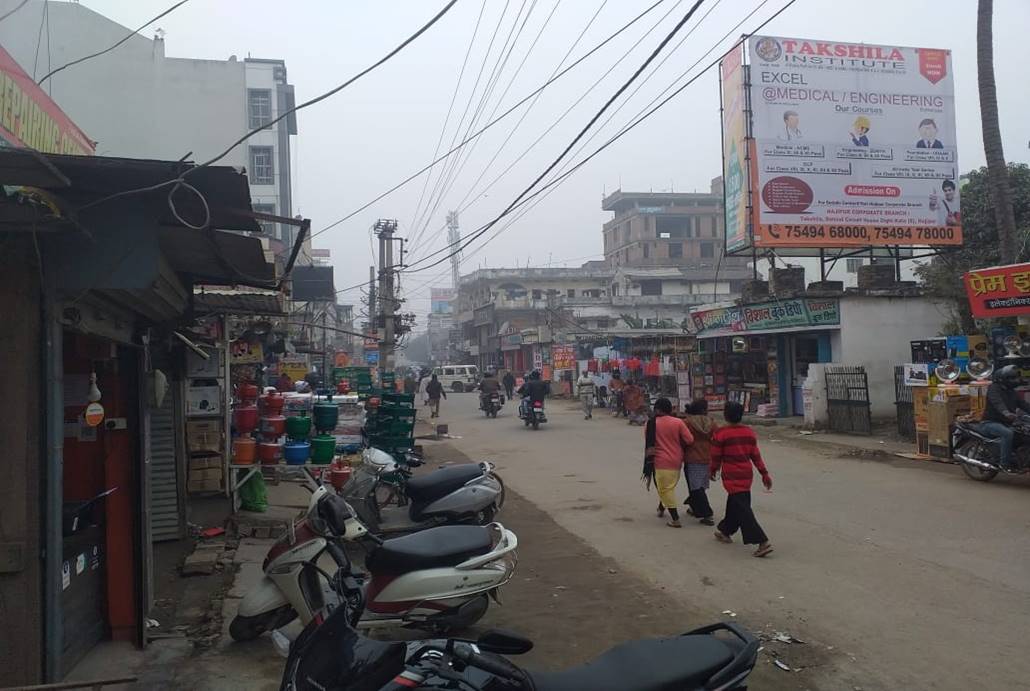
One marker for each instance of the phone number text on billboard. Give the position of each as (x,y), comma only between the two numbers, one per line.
(830,235)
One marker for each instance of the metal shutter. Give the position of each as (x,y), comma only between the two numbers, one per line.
(164,483)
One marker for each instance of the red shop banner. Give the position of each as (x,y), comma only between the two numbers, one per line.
(999,291)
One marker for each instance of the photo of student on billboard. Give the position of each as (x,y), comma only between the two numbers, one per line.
(928,135)
(791,126)
(948,212)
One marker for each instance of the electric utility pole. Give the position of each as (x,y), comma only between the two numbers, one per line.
(385,229)
(453,240)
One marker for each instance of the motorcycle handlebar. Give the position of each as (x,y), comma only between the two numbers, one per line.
(466,654)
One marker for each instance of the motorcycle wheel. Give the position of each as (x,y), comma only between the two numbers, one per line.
(536,425)
(970,448)
(500,497)
(248,628)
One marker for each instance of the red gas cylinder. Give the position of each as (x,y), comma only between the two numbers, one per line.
(245,418)
(343,387)
(339,474)
(247,393)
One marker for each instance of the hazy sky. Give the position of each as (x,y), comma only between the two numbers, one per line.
(370,136)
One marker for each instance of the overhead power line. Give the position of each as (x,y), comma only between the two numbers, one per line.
(625,130)
(500,117)
(125,38)
(650,58)
(425,27)
(7,14)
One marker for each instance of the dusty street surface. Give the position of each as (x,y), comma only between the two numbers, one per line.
(898,574)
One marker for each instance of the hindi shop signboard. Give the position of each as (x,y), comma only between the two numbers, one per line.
(563,356)
(854,145)
(794,314)
(1000,291)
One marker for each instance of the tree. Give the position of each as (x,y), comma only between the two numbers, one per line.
(993,151)
(943,276)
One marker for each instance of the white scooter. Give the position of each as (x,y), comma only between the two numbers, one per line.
(440,579)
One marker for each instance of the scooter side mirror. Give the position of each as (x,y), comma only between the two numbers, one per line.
(504,642)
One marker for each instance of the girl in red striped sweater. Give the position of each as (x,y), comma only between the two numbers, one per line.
(734,450)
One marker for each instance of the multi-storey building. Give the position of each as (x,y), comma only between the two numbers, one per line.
(139,103)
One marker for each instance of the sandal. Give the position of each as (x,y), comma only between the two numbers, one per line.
(674,524)
(725,539)
(763,551)
(707,521)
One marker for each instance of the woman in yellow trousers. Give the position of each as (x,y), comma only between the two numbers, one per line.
(665,438)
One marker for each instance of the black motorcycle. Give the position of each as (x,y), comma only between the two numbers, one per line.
(532,413)
(491,404)
(331,655)
(980,453)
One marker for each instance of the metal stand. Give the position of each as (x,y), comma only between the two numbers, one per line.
(236,481)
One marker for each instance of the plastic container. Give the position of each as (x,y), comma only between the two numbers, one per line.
(327,414)
(243,449)
(269,452)
(245,418)
(273,403)
(323,449)
(273,426)
(339,474)
(247,392)
(297,452)
(298,427)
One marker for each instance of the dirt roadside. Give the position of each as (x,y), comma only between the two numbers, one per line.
(575,603)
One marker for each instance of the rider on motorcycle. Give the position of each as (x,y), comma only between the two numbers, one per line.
(1003,408)
(488,387)
(534,388)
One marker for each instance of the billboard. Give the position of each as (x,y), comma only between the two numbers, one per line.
(1000,291)
(440,300)
(734,143)
(854,145)
(29,118)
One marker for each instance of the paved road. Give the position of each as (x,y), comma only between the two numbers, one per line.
(903,574)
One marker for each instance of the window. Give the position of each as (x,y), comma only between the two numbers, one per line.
(675,250)
(448,371)
(537,295)
(707,250)
(650,287)
(615,289)
(672,227)
(602,322)
(647,250)
(262,168)
(267,227)
(259,107)
(571,292)
(853,263)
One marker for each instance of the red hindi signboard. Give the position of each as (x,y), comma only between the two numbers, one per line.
(999,291)
(29,118)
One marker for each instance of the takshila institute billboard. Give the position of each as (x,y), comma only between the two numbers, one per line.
(854,144)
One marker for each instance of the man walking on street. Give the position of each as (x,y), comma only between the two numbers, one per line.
(434,390)
(734,450)
(509,384)
(585,391)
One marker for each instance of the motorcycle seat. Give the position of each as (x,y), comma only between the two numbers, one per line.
(438,483)
(433,548)
(658,664)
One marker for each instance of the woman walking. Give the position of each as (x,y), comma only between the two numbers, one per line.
(665,437)
(698,457)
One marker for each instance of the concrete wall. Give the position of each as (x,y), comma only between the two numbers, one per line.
(21,597)
(133,101)
(875,333)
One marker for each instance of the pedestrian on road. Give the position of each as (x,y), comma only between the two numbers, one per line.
(665,437)
(698,458)
(434,389)
(734,451)
(509,384)
(634,402)
(585,390)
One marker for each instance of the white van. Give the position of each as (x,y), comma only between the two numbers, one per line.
(458,377)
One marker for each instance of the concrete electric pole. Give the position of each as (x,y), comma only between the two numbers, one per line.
(385,228)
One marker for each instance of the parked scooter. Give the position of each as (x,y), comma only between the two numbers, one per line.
(532,413)
(465,493)
(491,405)
(440,579)
(980,454)
(331,655)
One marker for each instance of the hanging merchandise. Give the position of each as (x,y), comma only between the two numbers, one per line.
(94,390)
(254,495)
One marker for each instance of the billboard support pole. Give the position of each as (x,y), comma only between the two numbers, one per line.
(822,264)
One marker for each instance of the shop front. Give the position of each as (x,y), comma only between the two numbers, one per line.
(759,354)
(513,357)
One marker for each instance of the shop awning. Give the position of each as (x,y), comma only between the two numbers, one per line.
(242,302)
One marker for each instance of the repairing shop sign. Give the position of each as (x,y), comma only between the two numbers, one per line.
(999,291)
